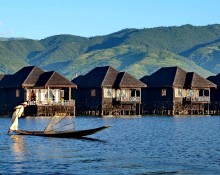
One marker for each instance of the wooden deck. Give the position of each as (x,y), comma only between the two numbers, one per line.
(50,109)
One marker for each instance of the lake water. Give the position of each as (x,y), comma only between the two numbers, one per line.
(137,145)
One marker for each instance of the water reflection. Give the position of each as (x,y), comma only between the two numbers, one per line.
(91,139)
(18,147)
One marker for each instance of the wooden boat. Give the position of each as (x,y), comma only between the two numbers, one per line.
(62,134)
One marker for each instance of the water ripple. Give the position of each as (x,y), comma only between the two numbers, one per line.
(143,145)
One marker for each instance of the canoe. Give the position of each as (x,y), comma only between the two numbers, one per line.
(62,134)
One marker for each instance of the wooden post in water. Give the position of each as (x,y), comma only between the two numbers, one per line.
(48,94)
(69,93)
(208,108)
(74,108)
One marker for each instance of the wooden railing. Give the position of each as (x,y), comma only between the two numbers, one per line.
(128,99)
(197,99)
(48,102)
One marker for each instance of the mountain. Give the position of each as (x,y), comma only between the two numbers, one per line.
(137,51)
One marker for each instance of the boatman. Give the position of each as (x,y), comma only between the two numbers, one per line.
(19,111)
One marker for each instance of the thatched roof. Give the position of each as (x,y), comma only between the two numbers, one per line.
(53,79)
(27,76)
(98,77)
(176,77)
(126,80)
(194,80)
(110,76)
(107,77)
(31,76)
(166,77)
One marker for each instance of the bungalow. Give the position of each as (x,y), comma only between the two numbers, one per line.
(173,91)
(106,91)
(45,92)
(215,94)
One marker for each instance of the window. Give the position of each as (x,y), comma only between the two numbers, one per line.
(200,92)
(138,93)
(93,93)
(108,93)
(189,93)
(17,93)
(33,95)
(178,92)
(206,93)
(163,92)
(133,94)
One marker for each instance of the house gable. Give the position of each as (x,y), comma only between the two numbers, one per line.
(194,80)
(98,77)
(27,76)
(32,76)
(110,77)
(128,81)
(107,77)
(166,77)
(54,79)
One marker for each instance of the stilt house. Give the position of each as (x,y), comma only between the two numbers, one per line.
(45,92)
(173,91)
(106,91)
(215,94)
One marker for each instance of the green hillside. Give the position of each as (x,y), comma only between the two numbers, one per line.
(175,39)
(9,61)
(137,51)
(207,56)
(24,49)
(137,61)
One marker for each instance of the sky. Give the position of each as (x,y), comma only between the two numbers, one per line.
(38,19)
